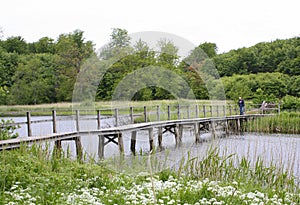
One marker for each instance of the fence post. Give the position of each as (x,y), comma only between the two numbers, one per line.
(211,111)
(131,115)
(230,111)
(145,113)
(77,120)
(116,117)
(169,113)
(197,111)
(178,112)
(54,121)
(29,124)
(204,110)
(98,119)
(188,111)
(224,110)
(158,113)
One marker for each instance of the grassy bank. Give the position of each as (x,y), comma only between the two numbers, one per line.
(286,122)
(36,177)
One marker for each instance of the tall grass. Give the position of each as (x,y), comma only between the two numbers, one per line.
(37,176)
(285,122)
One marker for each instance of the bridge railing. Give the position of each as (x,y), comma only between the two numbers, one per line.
(128,115)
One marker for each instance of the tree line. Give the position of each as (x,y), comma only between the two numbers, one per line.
(46,71)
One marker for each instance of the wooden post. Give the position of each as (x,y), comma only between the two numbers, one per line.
(197,111)
(98,120)
(177,138)
(188,111)
(158,113)
(230,111)
(120,143)
(29,124)
(77,139)
(131,115)
(213,129)
(224,110)
(218,111)
(133,142)
(178,112)
(226,128)
(54,121)
(145,114)
(77,120)
(151,137)
(117,117)
(160,133)
(101,147)
(54,129)
(169,113)
(204,110)
(180,133)
(197,133)
(211,111)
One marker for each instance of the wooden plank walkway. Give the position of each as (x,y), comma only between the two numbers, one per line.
(113,133)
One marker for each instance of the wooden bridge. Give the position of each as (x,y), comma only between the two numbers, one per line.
(207,119)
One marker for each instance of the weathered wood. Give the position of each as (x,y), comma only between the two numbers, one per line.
(151,139)
(204,110)
(117,117)
(77,120)
(211,110)
(120,143)
(98,119)
(101,147)
(178,112)
(197,133)
(177,137)
(224,110)
(145,114)
(197,111)
(169,113)
(133,142)
(230,110)
(188,112)
(160,134)
(54,129)
(158,112)
(78,145)
(131,115)
(29,131)
(218,114)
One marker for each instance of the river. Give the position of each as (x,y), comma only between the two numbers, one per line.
(280,149)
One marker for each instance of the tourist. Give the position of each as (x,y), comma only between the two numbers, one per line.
(241,105)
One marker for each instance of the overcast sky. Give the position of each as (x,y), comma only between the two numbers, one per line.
(230,24)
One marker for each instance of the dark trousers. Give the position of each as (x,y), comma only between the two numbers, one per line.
(241,110)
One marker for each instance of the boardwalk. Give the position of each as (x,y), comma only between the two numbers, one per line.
(114,134)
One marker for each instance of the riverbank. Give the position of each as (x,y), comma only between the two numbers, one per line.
(285,123)
(36,177)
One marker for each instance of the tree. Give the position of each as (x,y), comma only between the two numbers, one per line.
(15,44)
(209,48)
(40,72)
(118,47)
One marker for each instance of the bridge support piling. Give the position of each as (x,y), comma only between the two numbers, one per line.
(160,133)
(101,147)
(197,133)
(151,137)
(133,142)
(177,136)
(120,143)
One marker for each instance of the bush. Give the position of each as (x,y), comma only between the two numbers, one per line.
(7,131)
(290,103)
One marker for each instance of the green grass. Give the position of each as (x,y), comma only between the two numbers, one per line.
(286,122)
(36,176)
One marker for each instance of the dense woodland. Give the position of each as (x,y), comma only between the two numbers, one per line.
(45,71)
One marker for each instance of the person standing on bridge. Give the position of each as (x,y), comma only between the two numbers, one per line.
(241,105)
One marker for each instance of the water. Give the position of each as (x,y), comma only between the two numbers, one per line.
(282,150)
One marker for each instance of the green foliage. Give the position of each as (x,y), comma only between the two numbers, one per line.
(7,131)
(291,103)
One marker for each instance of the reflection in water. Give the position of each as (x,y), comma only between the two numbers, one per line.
(282,150)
